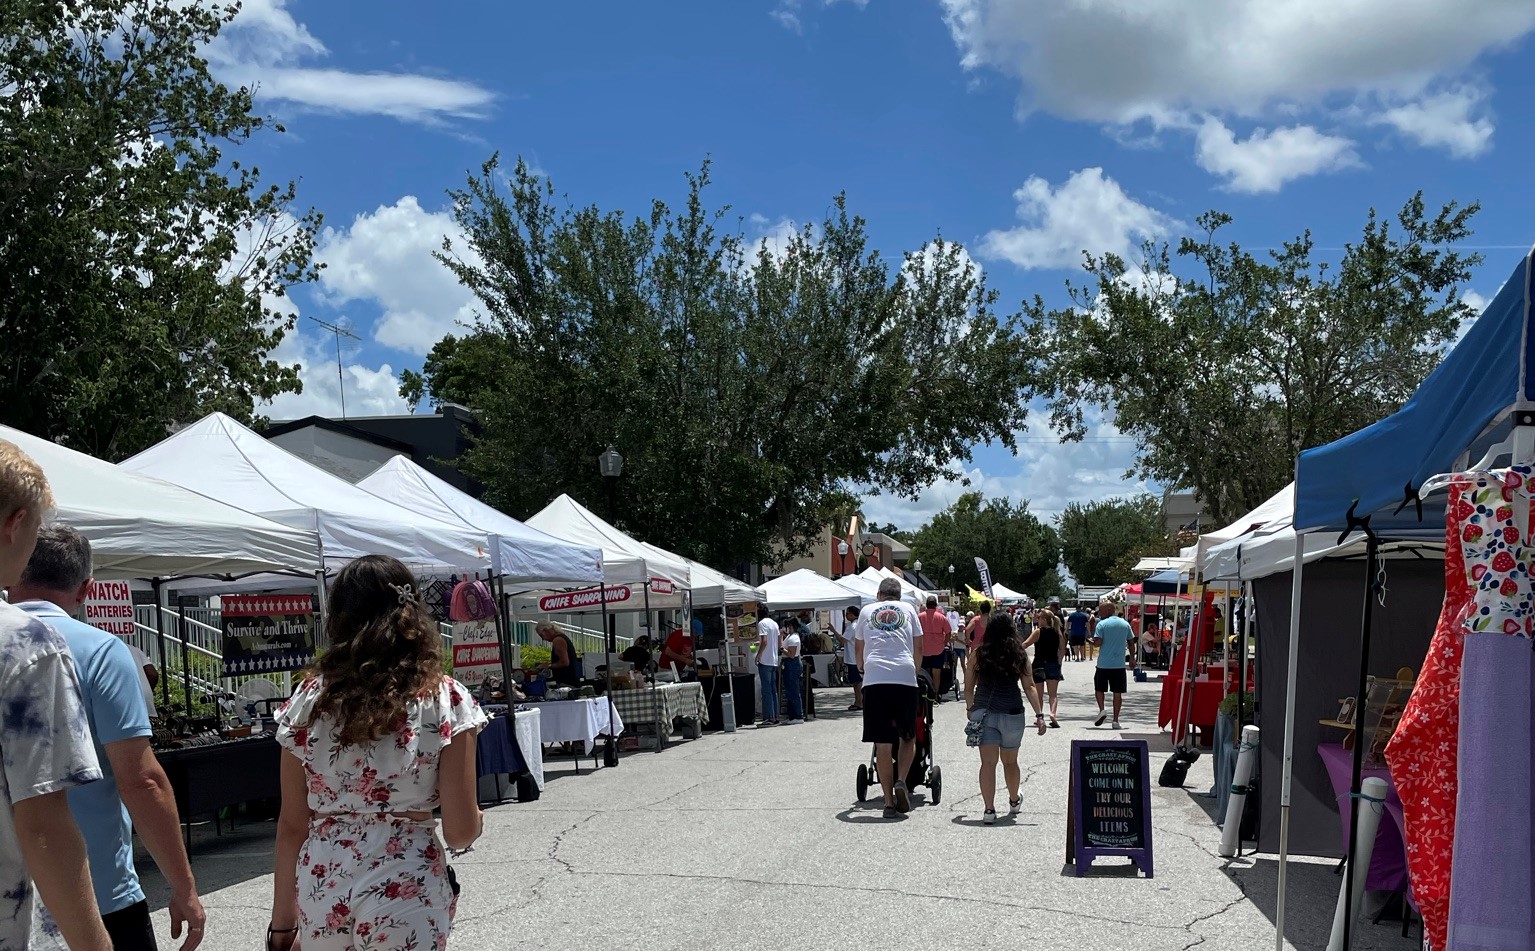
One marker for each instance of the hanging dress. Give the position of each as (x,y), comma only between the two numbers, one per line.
(1486,583)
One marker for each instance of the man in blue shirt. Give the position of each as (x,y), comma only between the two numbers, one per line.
(134,785)
(1077,625)
(1113,638)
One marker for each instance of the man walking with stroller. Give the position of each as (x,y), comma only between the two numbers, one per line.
(886,644)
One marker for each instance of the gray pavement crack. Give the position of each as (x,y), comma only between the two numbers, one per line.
(559,839)
(1200,939)
(704,782)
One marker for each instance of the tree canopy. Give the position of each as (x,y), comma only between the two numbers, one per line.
(1021,551)
(1225,376)
(1095,536)
(746,387)
(141,271)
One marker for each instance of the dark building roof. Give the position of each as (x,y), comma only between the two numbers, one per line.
(434,442)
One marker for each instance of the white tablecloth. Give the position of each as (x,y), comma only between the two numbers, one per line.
(823,668)
(578,721)
(530,742)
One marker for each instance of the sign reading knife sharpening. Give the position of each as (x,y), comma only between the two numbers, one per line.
(583,600)
(662,586)
(476,651)
(267,633)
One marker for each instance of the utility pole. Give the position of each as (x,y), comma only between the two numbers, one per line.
(339,332)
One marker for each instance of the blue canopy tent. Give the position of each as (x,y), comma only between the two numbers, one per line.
(1480,395)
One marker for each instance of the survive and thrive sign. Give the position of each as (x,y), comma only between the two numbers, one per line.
(1109,812)
(267,633)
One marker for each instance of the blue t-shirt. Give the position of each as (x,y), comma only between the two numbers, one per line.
(115,705)
(1116,635)
(1077,622)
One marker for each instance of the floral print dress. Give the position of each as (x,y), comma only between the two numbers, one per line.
(368,879)
(1487,586)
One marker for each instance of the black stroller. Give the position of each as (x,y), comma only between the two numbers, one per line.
(924,772)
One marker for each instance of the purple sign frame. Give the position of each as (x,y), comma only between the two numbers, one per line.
(1105,777)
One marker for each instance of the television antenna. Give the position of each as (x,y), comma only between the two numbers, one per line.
(338,331)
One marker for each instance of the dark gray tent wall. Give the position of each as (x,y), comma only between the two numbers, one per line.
(1332,594)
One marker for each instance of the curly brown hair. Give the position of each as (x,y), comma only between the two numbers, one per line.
(1000,657)
(383,650)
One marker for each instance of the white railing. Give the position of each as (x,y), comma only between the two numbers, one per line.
(586,641)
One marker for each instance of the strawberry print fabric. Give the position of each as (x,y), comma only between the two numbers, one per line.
(1487,590)
(367,879)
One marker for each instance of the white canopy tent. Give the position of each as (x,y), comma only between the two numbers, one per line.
(220,458)
(1003,593)
(142,527)
(806,589)
(1278,507)
(518,553)
(710,588)
(873,576)
(624,559)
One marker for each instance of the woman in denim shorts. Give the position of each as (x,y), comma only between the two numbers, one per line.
(997,678)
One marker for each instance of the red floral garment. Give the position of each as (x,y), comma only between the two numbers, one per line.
(369,880)
(1487,589)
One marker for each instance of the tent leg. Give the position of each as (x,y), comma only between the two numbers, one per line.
(1287,771)
(1371,561)
(165,664)
(609,755)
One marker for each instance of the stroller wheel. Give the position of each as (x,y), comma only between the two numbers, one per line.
(935,785)
(863,781)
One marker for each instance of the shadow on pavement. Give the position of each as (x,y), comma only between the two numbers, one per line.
(1120,869)
(1001,821)
(877,817)
(1310,886)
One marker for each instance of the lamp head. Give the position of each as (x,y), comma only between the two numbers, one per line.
(610,463)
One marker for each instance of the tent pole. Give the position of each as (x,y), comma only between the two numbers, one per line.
(655,686)
(1371,562)
(610,757)
(165,665)
(504,636)
(1287,770)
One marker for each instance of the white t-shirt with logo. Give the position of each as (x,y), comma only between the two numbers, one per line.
(889,631)
(768,656)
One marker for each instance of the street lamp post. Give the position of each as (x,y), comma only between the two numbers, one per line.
(611,465)
(842,553)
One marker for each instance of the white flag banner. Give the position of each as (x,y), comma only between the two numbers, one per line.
(980,565)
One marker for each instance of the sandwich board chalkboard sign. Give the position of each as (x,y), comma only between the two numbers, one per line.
(1109,811)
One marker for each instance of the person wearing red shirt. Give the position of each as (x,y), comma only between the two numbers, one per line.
(678,650)
(935,641)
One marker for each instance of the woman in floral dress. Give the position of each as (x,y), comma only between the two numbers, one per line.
(375,739)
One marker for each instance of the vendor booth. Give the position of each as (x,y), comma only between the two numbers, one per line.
(1452,467)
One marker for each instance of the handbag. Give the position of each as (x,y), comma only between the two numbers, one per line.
(975,727)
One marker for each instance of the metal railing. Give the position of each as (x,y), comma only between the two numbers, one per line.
(585,640)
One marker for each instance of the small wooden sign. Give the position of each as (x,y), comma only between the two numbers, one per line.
(1109,811)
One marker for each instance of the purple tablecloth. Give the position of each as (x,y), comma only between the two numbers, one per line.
(1388,864)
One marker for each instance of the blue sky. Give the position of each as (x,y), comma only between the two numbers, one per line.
(1026,130)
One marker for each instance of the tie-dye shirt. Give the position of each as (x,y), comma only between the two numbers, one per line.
(45,747)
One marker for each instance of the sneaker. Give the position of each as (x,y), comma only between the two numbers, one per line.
(763,723)
(891,813)
(902,798)
(1117,726)
(1015,806)
(989,817)
(796,721)
(1102,715)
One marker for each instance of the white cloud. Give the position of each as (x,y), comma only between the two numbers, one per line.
(386,257)
(1167,62)
(1455,120)
(1113,61)
(772,236)
(1268,159)
(1046,473)
(1087,212)
(370,391)
(265,47)
(788,12)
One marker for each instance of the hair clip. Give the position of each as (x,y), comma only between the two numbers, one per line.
(405,591)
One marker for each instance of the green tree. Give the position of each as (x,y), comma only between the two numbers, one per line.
(1225,376)
(1095,536)
(1021,551)
(141,270)
(746,388)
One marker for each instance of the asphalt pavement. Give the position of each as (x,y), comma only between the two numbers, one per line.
(754,840)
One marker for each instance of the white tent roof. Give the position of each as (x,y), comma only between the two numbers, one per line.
(712,588)
(520,553)
(221,458)
(909,591)
(1263,554)
(624,560)
(806,589)
(1003,593)
(141,527)
(1280,507)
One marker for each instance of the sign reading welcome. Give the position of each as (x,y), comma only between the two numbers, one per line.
(1109,812)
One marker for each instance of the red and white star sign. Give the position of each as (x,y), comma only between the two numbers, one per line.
(266,605)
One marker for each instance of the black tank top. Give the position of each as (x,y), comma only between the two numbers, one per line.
(1047,649)
(569,676)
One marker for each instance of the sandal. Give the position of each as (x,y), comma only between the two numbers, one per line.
(1039,720)
(273,932)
